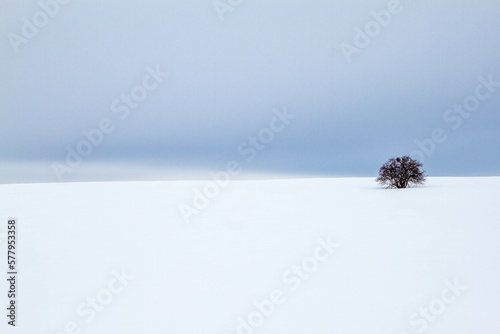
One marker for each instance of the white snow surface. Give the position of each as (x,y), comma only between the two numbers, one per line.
(398,252)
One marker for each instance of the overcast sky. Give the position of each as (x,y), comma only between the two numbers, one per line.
(356,100)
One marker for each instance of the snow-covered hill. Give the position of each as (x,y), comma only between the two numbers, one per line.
(297,256)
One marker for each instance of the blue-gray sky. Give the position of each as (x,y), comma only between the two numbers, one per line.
(226,76)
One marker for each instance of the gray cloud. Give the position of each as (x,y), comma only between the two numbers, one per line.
(227,76)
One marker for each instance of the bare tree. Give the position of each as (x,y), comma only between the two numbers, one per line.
(401,172)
